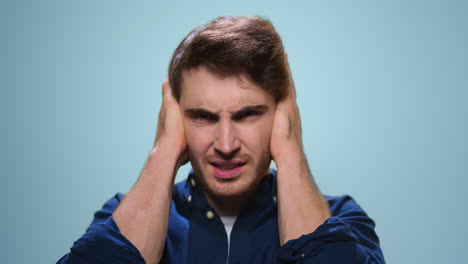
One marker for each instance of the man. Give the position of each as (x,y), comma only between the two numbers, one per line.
(229,108)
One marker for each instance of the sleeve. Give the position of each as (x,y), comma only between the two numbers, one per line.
(346,237)
(102,241)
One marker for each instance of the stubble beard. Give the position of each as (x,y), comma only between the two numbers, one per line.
(232,190)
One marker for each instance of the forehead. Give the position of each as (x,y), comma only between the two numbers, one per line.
(202,88)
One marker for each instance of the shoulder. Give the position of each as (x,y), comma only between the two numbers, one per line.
(180,191)
(111,204)
(343,205)
(107,209)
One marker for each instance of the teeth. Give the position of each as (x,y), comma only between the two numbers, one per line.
(227,166)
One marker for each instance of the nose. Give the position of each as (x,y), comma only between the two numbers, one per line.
(226,142)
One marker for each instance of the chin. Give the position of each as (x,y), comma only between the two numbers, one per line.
(227,189)
(240,187)
(219,188)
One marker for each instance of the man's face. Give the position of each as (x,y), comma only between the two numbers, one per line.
(228,123)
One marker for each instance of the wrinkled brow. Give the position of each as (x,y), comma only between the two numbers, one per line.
(242,111)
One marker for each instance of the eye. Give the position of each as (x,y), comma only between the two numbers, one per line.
(247,114)
(250,113)
(202,116)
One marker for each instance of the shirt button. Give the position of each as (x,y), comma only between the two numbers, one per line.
(189,198)
(209,215)
(192,181)
(275,199)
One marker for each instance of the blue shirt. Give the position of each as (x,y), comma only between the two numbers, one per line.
(196,233)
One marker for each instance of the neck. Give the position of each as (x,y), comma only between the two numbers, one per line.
(228,206)
(233,205)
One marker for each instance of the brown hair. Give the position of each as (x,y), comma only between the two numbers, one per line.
(233,45)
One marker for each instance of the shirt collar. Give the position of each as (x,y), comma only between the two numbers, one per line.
(266,194)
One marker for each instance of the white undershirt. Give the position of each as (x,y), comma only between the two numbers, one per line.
(228,222)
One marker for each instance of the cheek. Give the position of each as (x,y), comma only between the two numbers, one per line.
(257,138)
(198,139)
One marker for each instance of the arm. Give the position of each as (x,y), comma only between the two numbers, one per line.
(308,231)
(133,230)
(143,215)
(301,206)
(346,237)
(102,242)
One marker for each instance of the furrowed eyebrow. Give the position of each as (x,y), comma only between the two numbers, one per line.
(259,109)
(200,112)
(197,112)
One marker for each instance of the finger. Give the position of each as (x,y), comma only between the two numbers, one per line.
(168,96)
(291,87)
(165,88)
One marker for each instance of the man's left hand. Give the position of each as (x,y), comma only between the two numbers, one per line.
(286,135)
(301,206)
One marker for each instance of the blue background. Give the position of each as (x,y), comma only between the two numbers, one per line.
(382,87)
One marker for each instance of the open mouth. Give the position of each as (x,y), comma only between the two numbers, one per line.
(227,169)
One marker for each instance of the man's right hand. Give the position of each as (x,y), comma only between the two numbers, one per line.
(170,131)
(143,214)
